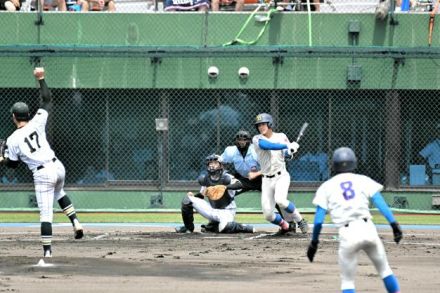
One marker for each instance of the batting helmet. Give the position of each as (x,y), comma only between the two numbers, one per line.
(20,111)
(264,118)
(214,171)
(243,135)
(344,160)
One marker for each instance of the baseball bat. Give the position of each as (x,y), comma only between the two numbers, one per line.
(301,132)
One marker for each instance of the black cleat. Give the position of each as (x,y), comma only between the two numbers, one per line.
(292,227)
(248,229)
(211,227)
(182,229)
(281,232)
(79,234)
(303,226)
(78,229)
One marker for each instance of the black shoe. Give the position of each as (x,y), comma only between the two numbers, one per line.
(77,229)
(292,227)
(281,232)
(211,227)
(79,234)
(248,229)
(303,226)
(182,229)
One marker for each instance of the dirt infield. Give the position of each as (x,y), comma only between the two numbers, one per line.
(159,260)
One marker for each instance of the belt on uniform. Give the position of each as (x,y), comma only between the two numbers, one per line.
(42,166)
(365,220)
(271,176)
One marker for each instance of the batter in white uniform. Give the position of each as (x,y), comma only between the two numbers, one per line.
(346,196)
(28,144)
(271,148)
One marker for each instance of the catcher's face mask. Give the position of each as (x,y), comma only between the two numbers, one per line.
(243,139)
(242,143)
(215,170)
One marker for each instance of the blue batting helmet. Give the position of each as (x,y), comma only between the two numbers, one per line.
(344,160)
(264,118)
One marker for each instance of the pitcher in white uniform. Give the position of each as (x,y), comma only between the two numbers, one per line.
(28,144)
(346,196)
(272,148)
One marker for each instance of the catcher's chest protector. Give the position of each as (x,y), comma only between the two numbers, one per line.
(226,199)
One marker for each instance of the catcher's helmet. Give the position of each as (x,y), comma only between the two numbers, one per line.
(243,135)
(20,111)
(344,160)
(214,171)
(264,118)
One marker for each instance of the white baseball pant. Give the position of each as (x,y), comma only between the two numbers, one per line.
(222,216)
(49,186)
(274,191)
(360,235)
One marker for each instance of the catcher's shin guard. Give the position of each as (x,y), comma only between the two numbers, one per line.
(188,214)
(234,227)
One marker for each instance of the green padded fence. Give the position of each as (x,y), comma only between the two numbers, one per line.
(364,83)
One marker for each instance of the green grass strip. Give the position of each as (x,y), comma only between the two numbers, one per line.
(33,217)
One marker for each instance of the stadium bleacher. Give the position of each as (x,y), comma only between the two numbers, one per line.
(327,6)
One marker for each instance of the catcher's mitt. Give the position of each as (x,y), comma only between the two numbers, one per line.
(215,192)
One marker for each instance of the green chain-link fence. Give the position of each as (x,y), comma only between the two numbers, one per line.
(382,102)
(114,130)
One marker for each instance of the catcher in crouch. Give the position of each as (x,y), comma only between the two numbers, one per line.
(220,206)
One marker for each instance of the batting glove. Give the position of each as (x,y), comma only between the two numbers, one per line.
(292,148)
(313,248)
(398,235)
